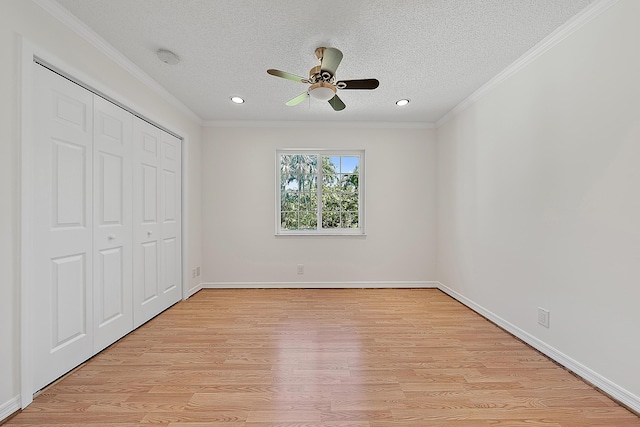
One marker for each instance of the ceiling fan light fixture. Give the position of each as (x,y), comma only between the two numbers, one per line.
(237,100)
(323,82)
(402,102)
(322,91)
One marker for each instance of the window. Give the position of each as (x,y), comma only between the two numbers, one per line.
(320,192)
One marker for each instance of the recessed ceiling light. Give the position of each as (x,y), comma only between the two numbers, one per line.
(237,100)
(402,102)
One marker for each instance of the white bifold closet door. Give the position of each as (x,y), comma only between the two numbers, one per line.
(107,249)
(112,223)
(156,213)
(63,228)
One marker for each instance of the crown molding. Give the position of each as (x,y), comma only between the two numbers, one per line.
(568,28)
(315,124)
(80,28)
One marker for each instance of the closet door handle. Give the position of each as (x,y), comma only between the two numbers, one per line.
(111,237)
(149,233)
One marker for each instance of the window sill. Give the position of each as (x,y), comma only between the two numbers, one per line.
(320,234)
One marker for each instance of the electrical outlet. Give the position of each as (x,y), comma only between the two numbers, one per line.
(193,273)
(198,271)
(543,317)
(300,268)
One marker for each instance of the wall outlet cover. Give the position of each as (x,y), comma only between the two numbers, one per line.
(543,317)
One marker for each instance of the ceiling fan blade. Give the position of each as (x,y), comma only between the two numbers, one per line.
(298,99)
(358,84)
(330,60)
(287,76)
(337,103)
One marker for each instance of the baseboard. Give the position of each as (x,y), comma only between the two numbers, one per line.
(8,408)
(313,285)
(616,392)
(193,290)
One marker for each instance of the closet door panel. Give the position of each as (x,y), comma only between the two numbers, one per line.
(113,244)
(147,290)
(150,267)
(62,312)
(171,224)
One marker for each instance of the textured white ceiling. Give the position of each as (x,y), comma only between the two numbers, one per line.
(435,52)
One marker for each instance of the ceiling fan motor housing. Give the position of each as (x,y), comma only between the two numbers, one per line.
(317,75)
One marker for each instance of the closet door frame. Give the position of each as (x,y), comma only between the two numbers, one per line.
(29,54)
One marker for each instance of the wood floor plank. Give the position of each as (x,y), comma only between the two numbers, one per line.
(321,357)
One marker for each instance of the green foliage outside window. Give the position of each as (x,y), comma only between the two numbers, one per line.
(339,192)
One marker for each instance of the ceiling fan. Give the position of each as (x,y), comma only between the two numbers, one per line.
(322,80)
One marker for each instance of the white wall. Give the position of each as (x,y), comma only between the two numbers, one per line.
(20,18)
(239,245)
(539,198)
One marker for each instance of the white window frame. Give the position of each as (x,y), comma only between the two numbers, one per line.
(322,231)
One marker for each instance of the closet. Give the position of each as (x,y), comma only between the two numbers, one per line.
(107,224)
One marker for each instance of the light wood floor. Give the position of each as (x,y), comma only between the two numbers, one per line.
(328,357)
